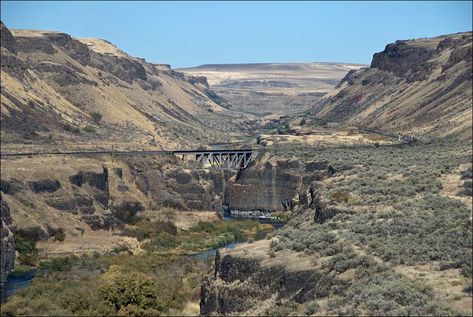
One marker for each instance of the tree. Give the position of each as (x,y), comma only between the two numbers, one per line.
(129,292)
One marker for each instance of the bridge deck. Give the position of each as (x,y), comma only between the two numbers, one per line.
(108,152)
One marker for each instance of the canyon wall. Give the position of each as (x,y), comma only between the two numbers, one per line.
(420,86)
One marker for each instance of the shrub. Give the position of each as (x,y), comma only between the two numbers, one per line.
(90,129)
(26,249)
(311,308)
(23,246)
(172,203)
(71,128)
(96,116)
(59,264)
(59,234)
(22,270)
(163,241)
(203,226)
(145,229)
(340,196)
(282,309)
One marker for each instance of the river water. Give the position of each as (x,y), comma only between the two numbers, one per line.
(16,283)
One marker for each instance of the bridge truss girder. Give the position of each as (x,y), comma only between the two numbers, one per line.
(234,160)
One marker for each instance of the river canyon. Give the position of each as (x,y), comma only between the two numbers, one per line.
(340,211)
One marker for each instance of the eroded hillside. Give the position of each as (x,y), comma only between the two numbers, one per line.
(58,90)
(421,87)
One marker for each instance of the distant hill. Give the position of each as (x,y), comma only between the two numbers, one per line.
(57,89)
(421,86)
(272,88)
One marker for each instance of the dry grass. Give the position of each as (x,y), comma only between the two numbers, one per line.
(182,219)
(453,184)
(312,138)
(101,241)
(447,284)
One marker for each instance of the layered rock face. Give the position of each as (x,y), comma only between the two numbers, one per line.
(81,194)
(246,281)
(75,196)
(169,184)
(421,87)
(7,246)
(276,185)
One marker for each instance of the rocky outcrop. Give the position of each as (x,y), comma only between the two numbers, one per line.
(202,80)
(240,285)
(276,186)
(74,48)
(99,181)
(125,69)
(7,40)
(170,185)
(45,185)
(11,186)
(7,246)
(404,60)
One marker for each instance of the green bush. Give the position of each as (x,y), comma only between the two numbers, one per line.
(145,229)
(96,116)
(27,250)
(90,129)
(59,264)
(24,246)
(163,241)
(22,270)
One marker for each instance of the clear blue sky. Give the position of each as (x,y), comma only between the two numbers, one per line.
(193,33)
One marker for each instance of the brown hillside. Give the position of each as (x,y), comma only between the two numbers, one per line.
(52,84)
(421,86)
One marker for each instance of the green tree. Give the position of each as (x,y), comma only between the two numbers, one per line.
(129,293)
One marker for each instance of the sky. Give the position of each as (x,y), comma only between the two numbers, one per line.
(186,34)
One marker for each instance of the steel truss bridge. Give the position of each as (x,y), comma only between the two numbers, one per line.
(221,159)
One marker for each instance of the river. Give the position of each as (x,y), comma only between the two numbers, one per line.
(17,282)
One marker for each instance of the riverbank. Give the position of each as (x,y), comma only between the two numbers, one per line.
(89,283)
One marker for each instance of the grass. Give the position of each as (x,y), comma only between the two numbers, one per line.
(22,270)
